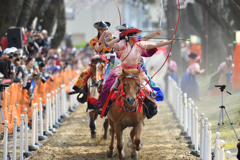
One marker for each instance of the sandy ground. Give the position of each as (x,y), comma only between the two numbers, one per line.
(160,138)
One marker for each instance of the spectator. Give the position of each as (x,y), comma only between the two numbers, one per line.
(69,41)
(189,83)
(53,67)
(7,57)
(226,70)
(17,66)
(46,39)
(171,71)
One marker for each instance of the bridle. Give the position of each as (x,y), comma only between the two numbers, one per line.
(120,95)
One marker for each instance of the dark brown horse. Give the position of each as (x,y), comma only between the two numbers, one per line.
(94,87)
(129,114)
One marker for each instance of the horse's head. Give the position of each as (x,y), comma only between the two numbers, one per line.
(131,85)
(98,66)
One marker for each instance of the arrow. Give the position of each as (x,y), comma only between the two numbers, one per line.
(139,37)
(166,30)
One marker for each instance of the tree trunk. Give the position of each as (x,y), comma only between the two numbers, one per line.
(48,20)
(25,13)
(61,25)
(235,9)
(35,11)
(9,11)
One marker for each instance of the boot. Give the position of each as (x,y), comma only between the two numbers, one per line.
(99,111)
(83,91)
(150,108)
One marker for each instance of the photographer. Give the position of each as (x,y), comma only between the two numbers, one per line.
(7,57)
(17,67)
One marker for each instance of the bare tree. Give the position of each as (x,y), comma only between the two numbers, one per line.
(25,13)
(61,25)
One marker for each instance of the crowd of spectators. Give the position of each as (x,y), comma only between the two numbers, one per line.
(36,61)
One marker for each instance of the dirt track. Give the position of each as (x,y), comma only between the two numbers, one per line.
(160,138)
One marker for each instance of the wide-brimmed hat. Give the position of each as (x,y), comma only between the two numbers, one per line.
(131,30)
(102,25)
(123,27)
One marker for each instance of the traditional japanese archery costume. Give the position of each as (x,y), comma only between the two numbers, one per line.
(80,84)
(131,57)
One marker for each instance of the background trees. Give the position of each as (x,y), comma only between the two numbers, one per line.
(21,13)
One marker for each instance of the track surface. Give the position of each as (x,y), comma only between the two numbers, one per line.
(160,138)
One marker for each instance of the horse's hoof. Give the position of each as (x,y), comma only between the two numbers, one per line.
(134,154)
(104,137)
(123,156)
(94,135)
(109,155)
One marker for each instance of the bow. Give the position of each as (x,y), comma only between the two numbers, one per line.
(160,23)
(118,12)
(171,44)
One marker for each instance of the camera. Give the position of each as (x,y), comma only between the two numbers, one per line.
(17,59)
(43,79)
(11,67)
(10,56)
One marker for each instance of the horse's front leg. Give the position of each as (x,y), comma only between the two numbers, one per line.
(119,133)
(105,126)
(110,150)
(137,141)
(134,153)
(92,116)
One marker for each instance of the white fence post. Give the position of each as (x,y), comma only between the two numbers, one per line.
(53,130)
(54,110)
(177,102)
(185,127)
(201,136)
(41,137)
(21,136)
(14,157)
(47,132)
(192,125)
(189,116)
(205,139)
(180,107)
(196,150)
(228,154)
(217,146)
(57,108)
(60,111)
(33,147)
(209,142)
(5,143)
(221,151)
(26,153)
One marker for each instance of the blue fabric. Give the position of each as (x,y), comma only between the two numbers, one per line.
(229,77)
(110,65)
(189,85)
(33,85)
(174,77)
(154,86)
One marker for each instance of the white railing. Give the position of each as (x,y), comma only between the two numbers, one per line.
(56,107)
(187,114)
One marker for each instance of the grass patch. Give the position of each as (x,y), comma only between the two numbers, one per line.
(209,105)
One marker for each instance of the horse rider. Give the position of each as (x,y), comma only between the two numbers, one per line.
(101,49)
(130,52)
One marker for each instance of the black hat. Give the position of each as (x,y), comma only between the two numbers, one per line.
(123,27)
(192,55)
(29,28)
(102,25)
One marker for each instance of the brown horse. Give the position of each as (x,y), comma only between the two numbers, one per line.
(128,114)
(94,87)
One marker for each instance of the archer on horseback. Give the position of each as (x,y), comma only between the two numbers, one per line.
(130,52)
(101,49)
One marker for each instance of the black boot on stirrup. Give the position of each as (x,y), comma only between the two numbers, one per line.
(150,108)
(99,111)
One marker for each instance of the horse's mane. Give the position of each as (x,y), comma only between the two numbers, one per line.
(130,72)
